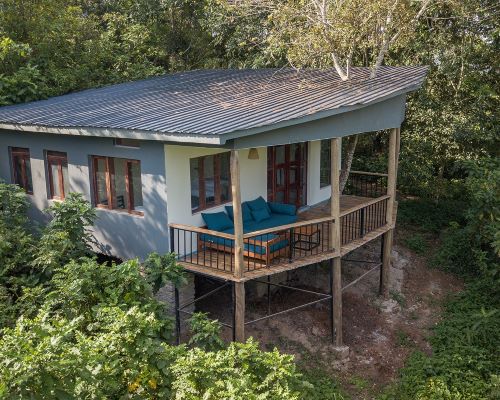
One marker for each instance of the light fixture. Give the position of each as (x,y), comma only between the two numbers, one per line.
(253,154)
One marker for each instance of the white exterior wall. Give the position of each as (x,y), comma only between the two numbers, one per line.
(315,193)
(253,178)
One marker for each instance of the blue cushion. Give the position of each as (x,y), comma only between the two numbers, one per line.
(274,221)
(251,245)
(281,208)
(260,215)
(258,204)
(217,221)
(247,213)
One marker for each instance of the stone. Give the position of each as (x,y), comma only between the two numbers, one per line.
(341,352)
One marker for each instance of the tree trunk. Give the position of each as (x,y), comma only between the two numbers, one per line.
(352,141)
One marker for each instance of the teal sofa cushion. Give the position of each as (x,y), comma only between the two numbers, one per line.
(273,222)
(218,221)
(247,213)
(251,245)
(281,208)
(258,204)
(261,215)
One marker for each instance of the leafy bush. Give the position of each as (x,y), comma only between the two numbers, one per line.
(91,330)
(319,385)
(161,269)
(464,363)
(417,243)
(241,371)
(429,215)
(205,332)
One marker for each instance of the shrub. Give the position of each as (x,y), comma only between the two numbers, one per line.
(241,371)
(205,332)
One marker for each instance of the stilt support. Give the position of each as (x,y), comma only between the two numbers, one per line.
(337,300)
(239,307)
(386,263)
(177,316)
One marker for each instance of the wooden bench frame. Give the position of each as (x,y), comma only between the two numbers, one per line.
(267,257)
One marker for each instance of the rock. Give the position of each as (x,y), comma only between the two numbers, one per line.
(341,352)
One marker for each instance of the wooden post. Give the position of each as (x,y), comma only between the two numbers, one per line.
(239,287)
(398,148)
(335,194)
(386,263)
(391,174)
(393,154)
(336,241)
(238,218)
(239,315)
(337,301)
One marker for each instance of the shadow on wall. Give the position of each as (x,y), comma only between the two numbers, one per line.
(128,236)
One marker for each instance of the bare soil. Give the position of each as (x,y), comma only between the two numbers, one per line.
(380,334)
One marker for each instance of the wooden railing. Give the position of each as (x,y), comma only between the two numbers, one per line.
(366,184)
(282,244)
(358,222)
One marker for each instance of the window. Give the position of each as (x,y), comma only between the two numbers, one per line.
(117,184)
(57,168)
(325,160)
(210,181)
(21,168)
(132,143)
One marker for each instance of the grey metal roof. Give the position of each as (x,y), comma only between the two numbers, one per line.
(214,102)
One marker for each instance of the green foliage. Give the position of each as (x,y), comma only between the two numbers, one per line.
(91,330)
(319,385)
(417,243)
(56,46)
(430,216)
(161,269)
(473,248)
(205,333)
(16,248)
(67,236)
(464,364)
(241,371)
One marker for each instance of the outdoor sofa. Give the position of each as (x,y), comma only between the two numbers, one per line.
(257,215)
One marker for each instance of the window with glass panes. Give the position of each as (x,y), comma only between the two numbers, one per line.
(325,163)
(21,168)
(210,181)
(57,169)
(117,184)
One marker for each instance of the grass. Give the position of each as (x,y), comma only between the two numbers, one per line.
(398,298)
(403,339)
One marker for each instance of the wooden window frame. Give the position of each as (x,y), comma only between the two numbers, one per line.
(60,159)
(328,162)
(217,183)
(24,154)
(300,186)
(110,189)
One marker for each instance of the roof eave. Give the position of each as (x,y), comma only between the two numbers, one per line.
(205,139)
(312,117)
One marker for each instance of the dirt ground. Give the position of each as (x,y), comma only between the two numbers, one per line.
(380,334)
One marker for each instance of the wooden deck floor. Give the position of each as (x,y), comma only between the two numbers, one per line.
(220,264)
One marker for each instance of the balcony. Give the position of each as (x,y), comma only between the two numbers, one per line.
(363,217)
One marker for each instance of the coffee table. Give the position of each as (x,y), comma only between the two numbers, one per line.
(306,238)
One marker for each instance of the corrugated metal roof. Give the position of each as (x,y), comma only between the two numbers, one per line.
(214,102)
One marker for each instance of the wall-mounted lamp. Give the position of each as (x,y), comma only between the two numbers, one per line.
(253,154)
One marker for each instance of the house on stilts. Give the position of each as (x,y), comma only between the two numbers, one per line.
(236,171)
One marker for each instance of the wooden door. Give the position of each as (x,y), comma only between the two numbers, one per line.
(287,174)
